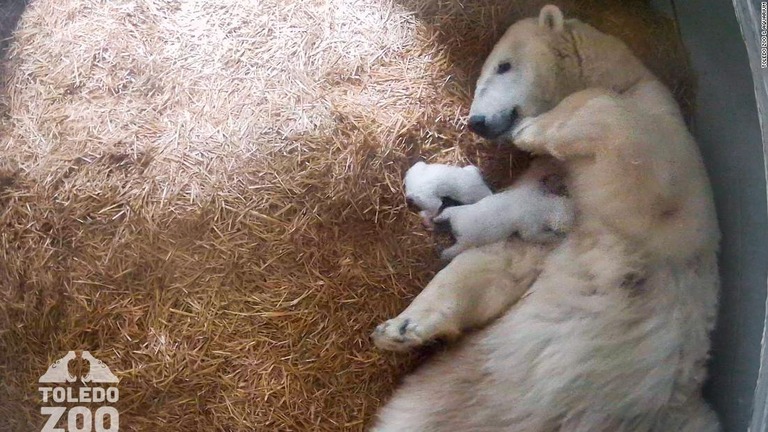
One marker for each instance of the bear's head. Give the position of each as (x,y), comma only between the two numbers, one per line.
(525,74)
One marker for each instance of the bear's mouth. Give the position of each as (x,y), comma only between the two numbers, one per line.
(506,131)
(503,135)
(495,126)
(513,118)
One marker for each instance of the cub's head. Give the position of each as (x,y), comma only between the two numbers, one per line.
(523,76)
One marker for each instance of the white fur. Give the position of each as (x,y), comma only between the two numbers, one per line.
(470,291)
(551,17)
(526,209)
(608,332)
(427,184)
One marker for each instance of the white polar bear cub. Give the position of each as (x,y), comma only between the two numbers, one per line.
(428,185)
(608,330)
(529,208)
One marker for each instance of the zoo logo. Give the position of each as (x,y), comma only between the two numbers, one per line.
(80,418)
(764,35)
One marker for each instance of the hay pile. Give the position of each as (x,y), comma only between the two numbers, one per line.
(206,194)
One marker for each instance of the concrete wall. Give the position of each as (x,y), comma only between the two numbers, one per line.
(727,127)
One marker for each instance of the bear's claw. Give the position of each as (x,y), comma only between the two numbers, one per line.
(397,334)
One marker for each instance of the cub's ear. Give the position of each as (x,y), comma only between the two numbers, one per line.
(551,18)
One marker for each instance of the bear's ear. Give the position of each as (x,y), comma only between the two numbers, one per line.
(551,18)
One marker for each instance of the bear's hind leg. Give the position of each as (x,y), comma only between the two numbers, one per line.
(475,288)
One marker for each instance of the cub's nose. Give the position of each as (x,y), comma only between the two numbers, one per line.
(477,125)
(411,203)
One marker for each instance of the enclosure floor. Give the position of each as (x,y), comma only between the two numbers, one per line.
(206,194)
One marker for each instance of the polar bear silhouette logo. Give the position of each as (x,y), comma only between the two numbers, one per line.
(98,372)
(57,372)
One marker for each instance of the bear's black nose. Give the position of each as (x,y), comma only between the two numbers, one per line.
(477,125)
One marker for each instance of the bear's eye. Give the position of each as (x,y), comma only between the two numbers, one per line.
(503,68)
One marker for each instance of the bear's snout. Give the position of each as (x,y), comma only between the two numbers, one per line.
(496,125)
(477,124)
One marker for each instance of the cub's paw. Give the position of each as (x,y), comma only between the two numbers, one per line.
(456,221)
(397,334)
(444,225)
(448,254)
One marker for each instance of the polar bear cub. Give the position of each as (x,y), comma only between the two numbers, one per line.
(534,208)
(429,186)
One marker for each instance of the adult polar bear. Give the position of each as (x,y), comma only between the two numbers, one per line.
(613,334)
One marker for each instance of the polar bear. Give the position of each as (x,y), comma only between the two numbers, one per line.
(607,331)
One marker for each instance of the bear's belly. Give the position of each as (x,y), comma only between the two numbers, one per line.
(576,345)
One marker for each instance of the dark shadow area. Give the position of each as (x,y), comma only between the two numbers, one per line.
(10,13)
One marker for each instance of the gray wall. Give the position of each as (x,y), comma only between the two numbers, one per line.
(726,125)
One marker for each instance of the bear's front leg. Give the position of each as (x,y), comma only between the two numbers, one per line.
(578,126)
(476,287)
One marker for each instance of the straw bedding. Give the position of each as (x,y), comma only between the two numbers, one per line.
(206,194)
